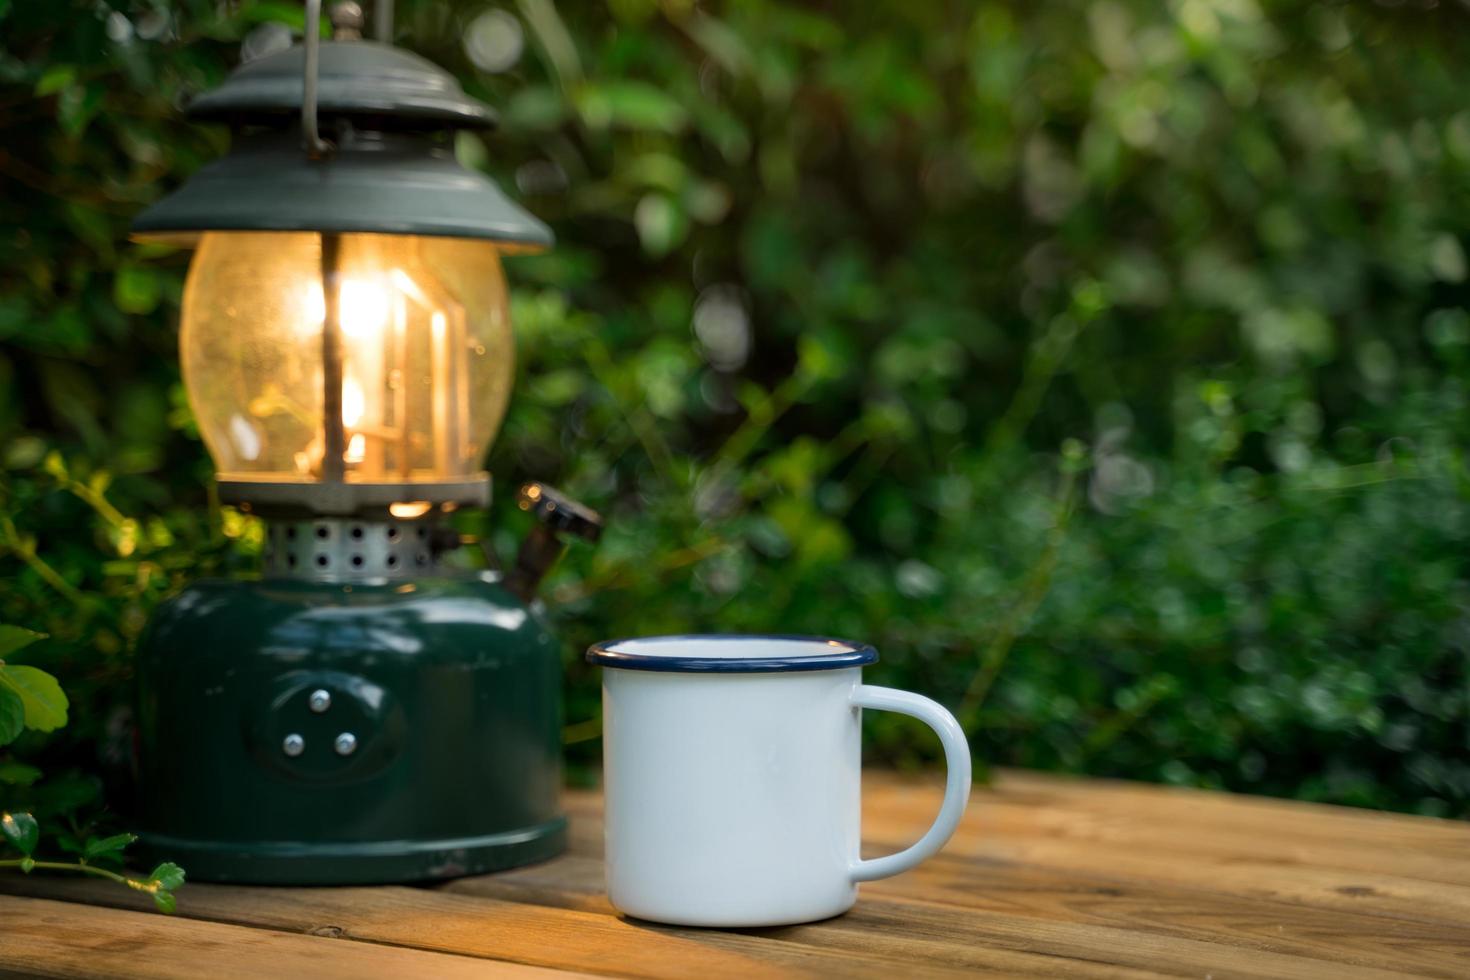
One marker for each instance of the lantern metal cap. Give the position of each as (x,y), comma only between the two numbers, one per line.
(385,183)
(396,88)
(321,498)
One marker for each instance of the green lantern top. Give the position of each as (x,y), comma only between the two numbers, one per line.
(363,80)
(390,170)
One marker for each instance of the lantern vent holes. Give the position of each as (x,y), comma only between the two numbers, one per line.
(350,549)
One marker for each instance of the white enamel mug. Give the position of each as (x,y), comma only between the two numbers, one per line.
(732,774)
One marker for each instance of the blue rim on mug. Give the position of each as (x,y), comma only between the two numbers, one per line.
(835,655)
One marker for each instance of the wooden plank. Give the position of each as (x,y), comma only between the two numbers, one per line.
(1019,894)
(1358,935)
(1191,821)
(1261,877)
(952,933)
(925,933)
(1202,808)
(1180,849)
(61,939)
(1047,877)
(1265,900)
(425,919)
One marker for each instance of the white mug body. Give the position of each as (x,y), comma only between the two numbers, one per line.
(733,799)
(732,777)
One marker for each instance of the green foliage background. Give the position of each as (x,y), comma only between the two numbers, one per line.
(1104,364)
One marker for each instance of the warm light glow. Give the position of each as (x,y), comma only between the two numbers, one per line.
(363,305)
(364,308)
(246,439)
(353,402)
(313,308)
(356,449)
(409,510)
(404,283)
(423,339)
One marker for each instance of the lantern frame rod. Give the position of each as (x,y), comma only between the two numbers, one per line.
(334,436)
(310,134)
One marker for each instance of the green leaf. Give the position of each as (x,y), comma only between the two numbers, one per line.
(18,773)
(470,151)
(76,107)
(13,638)
(557,388)
(21,830)
(634,105)
(720,42)
(107,846)
(535,108)
(45,703)
(93,226)
(168,875)
(67,791)
(551,34)
(661,224)
(165,902)
(12,716)
(54,79)
(135,289)
(22,453)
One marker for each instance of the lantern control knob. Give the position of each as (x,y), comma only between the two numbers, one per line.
(556,515)
(324,726)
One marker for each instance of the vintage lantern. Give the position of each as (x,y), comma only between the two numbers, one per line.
(362,711)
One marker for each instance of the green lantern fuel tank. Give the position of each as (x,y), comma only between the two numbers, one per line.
(302,732)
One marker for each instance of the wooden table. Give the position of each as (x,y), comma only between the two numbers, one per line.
(1048,877)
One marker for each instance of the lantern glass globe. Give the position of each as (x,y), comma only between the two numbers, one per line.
(423,342)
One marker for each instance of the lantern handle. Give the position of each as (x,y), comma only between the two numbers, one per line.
(316,147)
(383,21)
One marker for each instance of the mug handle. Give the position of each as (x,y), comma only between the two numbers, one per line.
(957,785)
